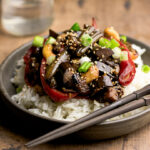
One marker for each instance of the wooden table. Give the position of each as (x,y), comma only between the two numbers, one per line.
(129,17)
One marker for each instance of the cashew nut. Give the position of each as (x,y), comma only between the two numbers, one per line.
(111,32)
(92,74)
(47,51)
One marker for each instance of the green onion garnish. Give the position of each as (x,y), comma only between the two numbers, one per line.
(86,40)
(146,68)
(18,89)
(124,38)
(117,52)
(114,43)
(50,40)
(124,56)
(50,59)
(38,41)
(85,66)
(75,27)
(104,42)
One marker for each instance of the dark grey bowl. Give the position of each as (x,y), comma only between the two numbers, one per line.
(100,131)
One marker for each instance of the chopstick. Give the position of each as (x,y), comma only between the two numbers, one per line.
(94,118)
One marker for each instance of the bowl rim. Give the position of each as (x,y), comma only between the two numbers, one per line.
(8,98)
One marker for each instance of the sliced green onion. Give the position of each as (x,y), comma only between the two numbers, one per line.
(84,67)
(146,68)
(50,40)
(124,38)
(117,52)
(84,59)
(114,43)
(50,59)
(18,89)
(124,56)
(86,40)
(104,42)
(38,41)
(75,27)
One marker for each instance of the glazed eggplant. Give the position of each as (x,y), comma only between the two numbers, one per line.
(52,69)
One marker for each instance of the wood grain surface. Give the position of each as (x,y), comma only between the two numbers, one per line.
(129,17)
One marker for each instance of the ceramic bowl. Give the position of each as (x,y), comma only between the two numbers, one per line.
(100,131)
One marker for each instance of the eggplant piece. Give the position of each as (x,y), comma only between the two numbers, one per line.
(58,48)
(115,66)
(87,29)
(53,33)
(104,68)
(110,63)
(80,52)
(102,53)
(104,81)
(111,94)
(100,84)
(52,69)
(72,79)
(67,77)
(80,84)
(53,83)
(72,44)
(67,72)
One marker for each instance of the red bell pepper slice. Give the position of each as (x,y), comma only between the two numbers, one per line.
(28,55)
(54,94)
(27,68)
(26,58)
(123,46)
(127,72)
(127,68)
(94,24)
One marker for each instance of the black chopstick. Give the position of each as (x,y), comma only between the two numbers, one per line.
(81,122)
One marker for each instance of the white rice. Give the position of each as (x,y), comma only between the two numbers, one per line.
(74,108)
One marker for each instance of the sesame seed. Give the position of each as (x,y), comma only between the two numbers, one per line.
(93,85)
(92,33)
(95,62)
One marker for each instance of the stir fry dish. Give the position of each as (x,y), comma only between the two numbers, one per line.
(81,62)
